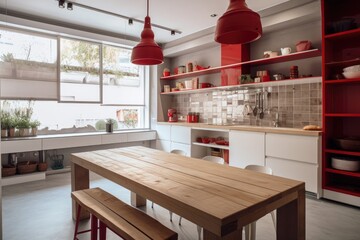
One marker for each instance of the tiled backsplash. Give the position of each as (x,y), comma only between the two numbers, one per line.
(298,105)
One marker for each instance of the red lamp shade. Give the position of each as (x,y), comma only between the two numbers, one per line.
(238,25)
(147,52)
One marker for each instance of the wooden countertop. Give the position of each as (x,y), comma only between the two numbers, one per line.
(280,130)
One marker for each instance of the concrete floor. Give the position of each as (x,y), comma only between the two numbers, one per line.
(42,210)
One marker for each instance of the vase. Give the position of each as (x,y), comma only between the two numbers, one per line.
(12,132)
(23,132)
(34,131)
(109,127)
(4,133)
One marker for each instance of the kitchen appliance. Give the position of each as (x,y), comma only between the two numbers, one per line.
(172,114)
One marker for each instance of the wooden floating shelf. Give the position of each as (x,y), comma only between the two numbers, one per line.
(263,61)
(249,85)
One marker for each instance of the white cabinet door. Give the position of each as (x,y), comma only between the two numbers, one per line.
(295,147)
(180,134)
(180,146)
(163,132)
(246,148)
(305,172)
(163,145)
(141,136)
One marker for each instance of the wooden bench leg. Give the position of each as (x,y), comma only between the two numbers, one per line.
(137,201)
(102,231)
(77,222)
(94,227)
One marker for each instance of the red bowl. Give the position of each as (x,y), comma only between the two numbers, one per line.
(166,74)
(222,142)
(206,140)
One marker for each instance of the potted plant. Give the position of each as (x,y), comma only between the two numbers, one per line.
(34,127)
(4,119)
(110,125)
(12,126)
(23,125)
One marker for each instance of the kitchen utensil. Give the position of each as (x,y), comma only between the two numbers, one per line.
(350,144)
(267,54)
(166,72)
(285,50)
(279,76)
(198,67)
(303,45)
(13,160)
(346,164)
(206,85)
(354,68)
(351,74)
(261,100)
(166,88)
(256,103)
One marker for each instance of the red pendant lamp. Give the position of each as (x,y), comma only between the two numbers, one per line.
(147,52)
(238,25)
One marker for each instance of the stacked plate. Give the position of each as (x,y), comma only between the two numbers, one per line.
(352,71)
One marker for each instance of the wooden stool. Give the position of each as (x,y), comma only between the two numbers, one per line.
(123,219)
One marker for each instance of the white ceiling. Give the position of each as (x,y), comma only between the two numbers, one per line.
(187,16)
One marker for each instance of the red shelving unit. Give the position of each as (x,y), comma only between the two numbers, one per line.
(263,61)
(341,98)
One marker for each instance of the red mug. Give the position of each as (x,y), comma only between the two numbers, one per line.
(206,85)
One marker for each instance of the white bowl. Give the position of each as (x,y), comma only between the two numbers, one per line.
(351,74)
(346,164)
(354,68)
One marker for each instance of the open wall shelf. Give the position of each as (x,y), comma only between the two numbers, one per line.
(263,61)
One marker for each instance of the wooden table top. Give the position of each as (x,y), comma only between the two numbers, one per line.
(214,196)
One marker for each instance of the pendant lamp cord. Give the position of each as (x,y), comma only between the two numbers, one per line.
(147,8)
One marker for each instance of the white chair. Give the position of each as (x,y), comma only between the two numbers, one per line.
(214,159)
(250,230)
(179,152)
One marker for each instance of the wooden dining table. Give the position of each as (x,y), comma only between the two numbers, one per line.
(220,198)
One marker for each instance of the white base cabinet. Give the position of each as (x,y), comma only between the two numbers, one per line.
(173,138)
(296,157)
(246,148)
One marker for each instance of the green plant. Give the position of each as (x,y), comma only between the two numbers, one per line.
(9,57)
(5,120)
(13,121)
(34,123)
(23,123)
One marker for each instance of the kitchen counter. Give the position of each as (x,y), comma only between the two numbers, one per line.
(292,131)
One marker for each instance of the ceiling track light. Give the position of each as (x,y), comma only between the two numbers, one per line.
(130,20)
(69,6)
(147,52)
(61,3)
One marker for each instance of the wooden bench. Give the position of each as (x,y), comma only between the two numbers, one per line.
(123,219)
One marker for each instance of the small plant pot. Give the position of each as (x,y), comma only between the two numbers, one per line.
(23,132)
(12,132)
(4,133)
(34,131)
(109,127)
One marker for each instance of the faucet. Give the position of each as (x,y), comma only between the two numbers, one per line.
(276,123)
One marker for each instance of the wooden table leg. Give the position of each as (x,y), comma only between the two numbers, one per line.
(236,235)
(137,201)
(79,180)
(291,219)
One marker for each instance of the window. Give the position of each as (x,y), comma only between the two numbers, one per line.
(123,82)
(79,71)
(95,82)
